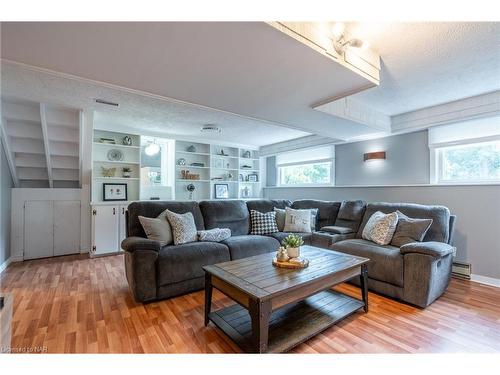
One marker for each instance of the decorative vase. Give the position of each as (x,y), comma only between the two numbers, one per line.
(126,174)
(293,252)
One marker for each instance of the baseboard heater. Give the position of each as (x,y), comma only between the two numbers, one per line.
(461,270)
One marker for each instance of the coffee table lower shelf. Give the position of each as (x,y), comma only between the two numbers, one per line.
(290,325)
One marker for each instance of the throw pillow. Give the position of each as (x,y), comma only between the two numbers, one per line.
(183,227)
(263,223)
(409,230)
(280,218)
(214,235)
(297,220)
(158,228)
(380,227)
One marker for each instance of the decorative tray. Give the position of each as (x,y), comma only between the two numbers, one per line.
(291,263)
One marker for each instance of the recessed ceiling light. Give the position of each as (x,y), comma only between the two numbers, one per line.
(210,129)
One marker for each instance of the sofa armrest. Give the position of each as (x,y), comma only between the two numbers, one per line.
(336,229)
(432,248)
(131,244)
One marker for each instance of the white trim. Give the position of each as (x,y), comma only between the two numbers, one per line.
(10,260)
(308,162)
(389,186)
(485,280)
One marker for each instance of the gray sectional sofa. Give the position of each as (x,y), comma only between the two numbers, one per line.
(416,273)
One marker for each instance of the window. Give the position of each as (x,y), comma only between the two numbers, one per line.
(471,162)
(466,152)
(306,167)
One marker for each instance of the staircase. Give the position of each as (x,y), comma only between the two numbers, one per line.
(42,144)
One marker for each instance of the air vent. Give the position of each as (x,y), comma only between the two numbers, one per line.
(461,270)
(210,129)
(101,101)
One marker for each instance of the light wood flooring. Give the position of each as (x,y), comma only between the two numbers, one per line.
(74,304)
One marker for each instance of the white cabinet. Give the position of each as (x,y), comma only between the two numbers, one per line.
(51,228)
(108,228)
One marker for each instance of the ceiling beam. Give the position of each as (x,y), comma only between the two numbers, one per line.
(8,153)
(46,143)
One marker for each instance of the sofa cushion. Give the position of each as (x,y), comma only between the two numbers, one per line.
(266,205)
(153,209)
(232,214)
(380,228)
(184,262)
(250,245)
(350,214)
(336,230)
(263,223)
(386,262)
(409,230)
(440,215)
(214,235)
(280,236)
(327,211)
(325,239)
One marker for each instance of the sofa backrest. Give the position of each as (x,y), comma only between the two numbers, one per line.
(232,214)
(350,214)
(154,208)
(440,215)
(266,205)
(327,211)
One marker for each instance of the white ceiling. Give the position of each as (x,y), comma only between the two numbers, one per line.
(247,68)
(426,64)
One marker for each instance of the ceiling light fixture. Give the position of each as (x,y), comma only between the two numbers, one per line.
(152,149)
(210,128)
(341,42)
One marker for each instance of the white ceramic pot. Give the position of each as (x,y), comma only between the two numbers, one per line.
(293,252)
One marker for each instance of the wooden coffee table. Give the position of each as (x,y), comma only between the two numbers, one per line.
(279,308)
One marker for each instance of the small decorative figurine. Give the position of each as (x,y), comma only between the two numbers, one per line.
(127,141)
(282,254)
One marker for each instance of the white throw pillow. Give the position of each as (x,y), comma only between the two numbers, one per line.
(297,220)
(158,228)
(380,227)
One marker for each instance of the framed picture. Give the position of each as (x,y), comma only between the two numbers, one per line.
(221,191)
(114,192)
(253,178)
(219,163)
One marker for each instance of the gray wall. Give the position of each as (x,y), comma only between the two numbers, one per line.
(477,206)
(5,190)
(407,161)
(271,171)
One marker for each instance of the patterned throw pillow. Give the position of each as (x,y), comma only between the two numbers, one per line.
(214,235)
(380,227)
(158,228)
(263,223)
(298,220)
(183,227)
(409,230)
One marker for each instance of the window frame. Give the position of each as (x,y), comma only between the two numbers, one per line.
(437,160)
(307,162)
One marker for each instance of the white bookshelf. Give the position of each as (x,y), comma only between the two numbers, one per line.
(131,159)
(220,165)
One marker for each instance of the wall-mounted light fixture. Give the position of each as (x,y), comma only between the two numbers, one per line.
(378,155)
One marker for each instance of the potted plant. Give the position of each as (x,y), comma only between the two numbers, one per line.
(126,172)
(293,243)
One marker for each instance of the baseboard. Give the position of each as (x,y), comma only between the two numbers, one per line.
(485,280)
(5,264)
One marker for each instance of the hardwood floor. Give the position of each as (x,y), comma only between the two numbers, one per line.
(74,304)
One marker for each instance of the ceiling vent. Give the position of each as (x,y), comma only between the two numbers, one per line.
(101,101)
(210,129)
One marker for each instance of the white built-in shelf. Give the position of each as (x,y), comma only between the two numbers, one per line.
(110,145)
(117,178)
(193,153)
(251,159)
(249,182)
(224,181)
(117,162)
(191,166)
(225,169)
(249,170)
(224,156)
(184,180)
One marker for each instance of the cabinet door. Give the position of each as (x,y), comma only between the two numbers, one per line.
(66,227)
(38,229)
(123,224)
(105,229)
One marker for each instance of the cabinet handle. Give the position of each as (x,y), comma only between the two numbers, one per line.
(114,211)
(123,210)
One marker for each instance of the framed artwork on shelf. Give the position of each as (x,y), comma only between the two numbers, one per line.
(221,191)
(114,192)
(253,178)
(219,163)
